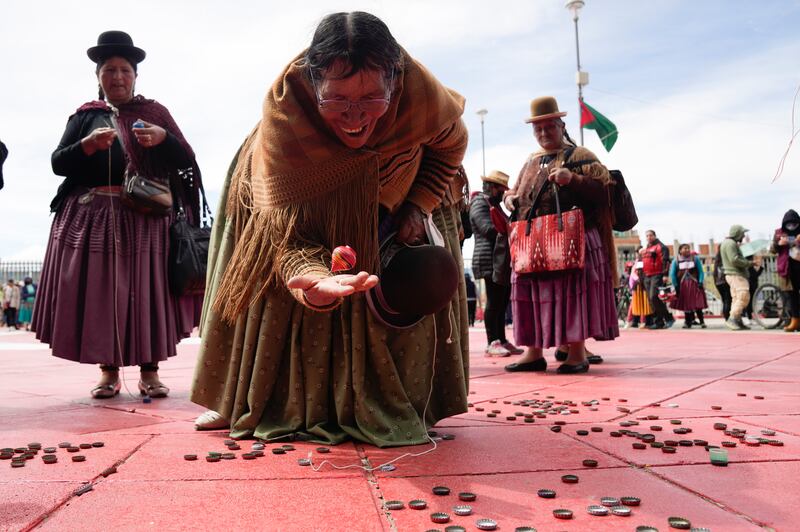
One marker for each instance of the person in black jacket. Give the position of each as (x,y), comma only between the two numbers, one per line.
(103,297)
(497,295)
(3,155)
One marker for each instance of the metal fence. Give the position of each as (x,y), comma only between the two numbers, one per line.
(19,270)
(769,275)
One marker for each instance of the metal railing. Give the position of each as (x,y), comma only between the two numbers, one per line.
(19,270)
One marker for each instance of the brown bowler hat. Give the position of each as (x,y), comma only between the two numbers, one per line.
(497,177)
(543,108)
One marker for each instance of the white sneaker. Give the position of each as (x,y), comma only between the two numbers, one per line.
(210,420)
(496,349)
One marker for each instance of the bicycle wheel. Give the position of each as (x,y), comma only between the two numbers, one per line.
(623,302)
(768,306)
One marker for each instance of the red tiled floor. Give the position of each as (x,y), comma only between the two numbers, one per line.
(766,492)
(22,503)
(117,448)
(702,429)
(168,451)
(481,450)
(81,420)
(511,501)
(45,399)
(275,505)
(788,424)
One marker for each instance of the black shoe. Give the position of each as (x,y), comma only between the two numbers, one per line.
(561,356)
(655,326)
(703,326)
(687,325)
(536,365)
(669,324)
(594,359)
(568,369)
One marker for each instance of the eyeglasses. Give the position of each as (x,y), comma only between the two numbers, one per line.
(375,105)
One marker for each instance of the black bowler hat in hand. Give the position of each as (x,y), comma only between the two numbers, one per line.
(416,281)
(115,43)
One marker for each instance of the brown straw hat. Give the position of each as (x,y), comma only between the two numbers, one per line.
(543,108)
(497,177)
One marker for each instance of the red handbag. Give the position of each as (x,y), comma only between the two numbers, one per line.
(550,243)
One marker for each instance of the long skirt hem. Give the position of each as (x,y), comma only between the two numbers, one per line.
(558,308)
(103,296)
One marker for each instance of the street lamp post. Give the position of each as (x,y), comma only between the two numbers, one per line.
(582,78)
(482,113)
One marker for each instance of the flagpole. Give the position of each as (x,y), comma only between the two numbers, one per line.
(482,113)
(582,78)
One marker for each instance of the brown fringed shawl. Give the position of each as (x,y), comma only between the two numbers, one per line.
(297,192)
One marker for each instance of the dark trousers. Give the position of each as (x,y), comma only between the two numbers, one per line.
(793,296)
(11,317)
(690,315)
(791,300)
(725,293)
(494,315)
(472,305)
(660,312)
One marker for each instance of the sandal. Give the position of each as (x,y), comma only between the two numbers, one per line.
(210,420)
(153,390)
(106,391)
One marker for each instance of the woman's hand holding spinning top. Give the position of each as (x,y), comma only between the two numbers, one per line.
(324,291)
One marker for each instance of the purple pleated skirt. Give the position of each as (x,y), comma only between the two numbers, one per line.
(558,308)
(101,302)
(691,296)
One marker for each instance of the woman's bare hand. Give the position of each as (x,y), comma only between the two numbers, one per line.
(324,291)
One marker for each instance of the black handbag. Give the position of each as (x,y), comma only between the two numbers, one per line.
(623,209)
(188,248)
(501,261)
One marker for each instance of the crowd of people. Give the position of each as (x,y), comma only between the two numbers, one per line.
(357,144)
(18,299)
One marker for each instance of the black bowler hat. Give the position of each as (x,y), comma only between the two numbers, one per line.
(415,281)
(113,43)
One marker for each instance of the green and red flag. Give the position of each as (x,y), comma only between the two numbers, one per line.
(605,128)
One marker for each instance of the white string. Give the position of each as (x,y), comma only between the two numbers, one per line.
(115,264)
(795,132)
(424,414)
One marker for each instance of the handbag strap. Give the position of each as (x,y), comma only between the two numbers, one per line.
(205,212)
(529,219)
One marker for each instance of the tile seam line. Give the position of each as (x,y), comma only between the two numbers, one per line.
(136,412)
(635,465)
(52,511)
(648,470)
(509,472)
(375,490)
(725,508)
(707,383)
(765,425)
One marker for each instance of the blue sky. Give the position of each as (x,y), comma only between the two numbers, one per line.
(700,91)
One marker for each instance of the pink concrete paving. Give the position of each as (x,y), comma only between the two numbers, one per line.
(667,375)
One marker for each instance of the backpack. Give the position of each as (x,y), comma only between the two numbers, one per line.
(622,208)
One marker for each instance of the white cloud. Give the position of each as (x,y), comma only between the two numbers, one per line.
(211,64)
